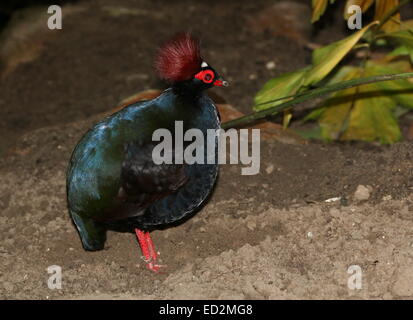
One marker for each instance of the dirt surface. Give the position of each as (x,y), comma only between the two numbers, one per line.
(268,236)
(264,236)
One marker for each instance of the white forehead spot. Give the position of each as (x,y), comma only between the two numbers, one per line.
(204,64)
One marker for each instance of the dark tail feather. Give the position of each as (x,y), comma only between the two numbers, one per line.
(92,234)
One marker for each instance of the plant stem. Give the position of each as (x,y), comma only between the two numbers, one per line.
(311,94)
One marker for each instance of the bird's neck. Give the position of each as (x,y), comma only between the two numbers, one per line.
(187,90)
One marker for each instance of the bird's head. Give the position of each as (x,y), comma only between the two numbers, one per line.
(180,63)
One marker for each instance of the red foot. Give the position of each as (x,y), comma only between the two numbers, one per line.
(148,250)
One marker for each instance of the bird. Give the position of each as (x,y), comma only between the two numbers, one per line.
(113,182)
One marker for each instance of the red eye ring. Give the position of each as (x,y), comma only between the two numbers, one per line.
(207,76)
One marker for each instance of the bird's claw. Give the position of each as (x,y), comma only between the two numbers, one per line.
(155,267)
(152,265)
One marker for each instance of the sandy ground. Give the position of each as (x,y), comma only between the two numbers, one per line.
(243,244)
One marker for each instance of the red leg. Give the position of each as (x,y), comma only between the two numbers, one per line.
(148,250)
(151,247)
(143,244)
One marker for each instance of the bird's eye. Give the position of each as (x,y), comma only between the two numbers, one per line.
(207,76)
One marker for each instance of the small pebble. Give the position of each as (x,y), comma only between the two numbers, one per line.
(269,169)
(333,199)
(251,225)
(270,65)
(362,193)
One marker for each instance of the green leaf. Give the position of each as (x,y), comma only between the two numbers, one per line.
(319,7)
(308,95)
(400,51)
(341,74)
(400,91)
(284,85)
(367,118)
(314,115)
(336,109)
(326,58)
(382,11)
(405,39)
(288,115)
(371,119)
(363,113)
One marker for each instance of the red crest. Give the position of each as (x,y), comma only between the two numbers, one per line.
(179,59)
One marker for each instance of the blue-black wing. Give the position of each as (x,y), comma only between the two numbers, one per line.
(142,182)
